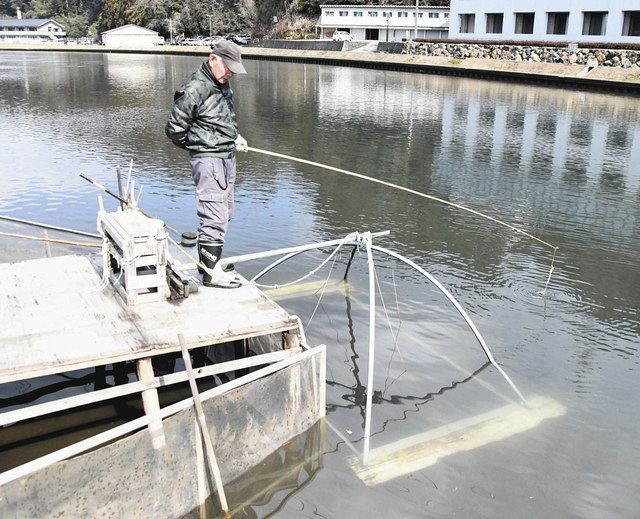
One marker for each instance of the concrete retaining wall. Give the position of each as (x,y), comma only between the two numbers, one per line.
(303,44)
(391,47)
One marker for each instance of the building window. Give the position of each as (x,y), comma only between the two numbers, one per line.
(595,23)
(48,29)
(343,13)
(414,15)
(494,23)
(357,13)
(467,23)
(631,24)
(402,14)
(446,15)
(557,23)
(524,23)
(387,14)
(330,13)
(434,15)
(373,14)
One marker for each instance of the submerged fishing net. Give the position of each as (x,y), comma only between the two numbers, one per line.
(128,478)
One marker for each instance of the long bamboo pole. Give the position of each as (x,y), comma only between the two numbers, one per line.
(204,430)
(51,240)
(125,203)
(47,226)
(407,190)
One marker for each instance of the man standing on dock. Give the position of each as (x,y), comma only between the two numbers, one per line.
(203,121)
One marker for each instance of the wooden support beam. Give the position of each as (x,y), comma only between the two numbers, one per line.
(291,339)
(150,402)
(323,380)
(47,245)
(120,190)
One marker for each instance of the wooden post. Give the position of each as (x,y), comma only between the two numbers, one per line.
(47,245)
(204,430)
(323,382)
(150,402)
(120,190)
(291,339)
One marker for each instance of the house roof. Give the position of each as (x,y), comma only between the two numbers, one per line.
(27,22)
(127,28)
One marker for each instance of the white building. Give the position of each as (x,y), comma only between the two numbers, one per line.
(41,30)
(383,22)
(611,21)
(131,36)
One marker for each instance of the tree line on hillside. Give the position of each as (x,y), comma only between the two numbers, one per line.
(186,17)
(90,17)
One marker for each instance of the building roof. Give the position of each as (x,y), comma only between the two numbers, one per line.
(131,29)
(26,22)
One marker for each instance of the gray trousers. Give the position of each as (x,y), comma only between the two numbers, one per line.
(214,179)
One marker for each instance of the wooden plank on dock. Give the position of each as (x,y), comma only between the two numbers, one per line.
(54,320)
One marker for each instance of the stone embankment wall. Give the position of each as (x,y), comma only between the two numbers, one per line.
(586,56)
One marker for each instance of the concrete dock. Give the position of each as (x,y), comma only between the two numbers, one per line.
(56,321)
(57,317)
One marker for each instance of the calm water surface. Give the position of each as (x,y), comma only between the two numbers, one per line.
(565,165)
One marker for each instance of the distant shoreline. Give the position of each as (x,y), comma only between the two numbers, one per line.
(603,78)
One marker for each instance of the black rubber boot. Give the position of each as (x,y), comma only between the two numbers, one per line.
(209,253)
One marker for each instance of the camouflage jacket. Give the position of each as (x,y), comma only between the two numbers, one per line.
(203,120)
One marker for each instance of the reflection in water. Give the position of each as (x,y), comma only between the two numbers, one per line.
(134,72)
(560,145)
(284,472)
(563,164)
(528,138)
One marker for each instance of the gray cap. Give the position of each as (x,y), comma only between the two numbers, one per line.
(230,53)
